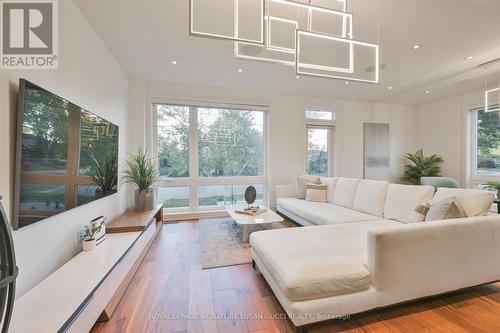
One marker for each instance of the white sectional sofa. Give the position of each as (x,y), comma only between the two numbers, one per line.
(364,249)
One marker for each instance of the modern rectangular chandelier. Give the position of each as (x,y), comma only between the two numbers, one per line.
(490,97)
(313,36)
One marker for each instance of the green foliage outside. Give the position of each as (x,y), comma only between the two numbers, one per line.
(421,166)
(230,142)
(488,141)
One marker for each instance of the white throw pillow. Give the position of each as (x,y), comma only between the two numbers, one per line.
(302,182)
(345,190)
(316,192)
(401,201)
(473,202)
(370,197)
(331,183)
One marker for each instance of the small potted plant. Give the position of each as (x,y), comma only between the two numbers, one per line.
(494,186)
(104,175)
(143,173)
(91,230)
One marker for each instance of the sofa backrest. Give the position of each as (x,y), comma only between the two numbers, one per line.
(424,259)
(370,197)
(345,191)
(330,183)
(474,202)
(401,201)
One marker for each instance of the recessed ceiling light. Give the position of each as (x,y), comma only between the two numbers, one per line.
(240,70)
(174,62)
(469,58)
(297,77)
(346,82)
(416,46)
(427,92)
(389,87)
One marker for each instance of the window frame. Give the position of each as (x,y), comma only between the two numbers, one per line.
(194,181)
(474,177)
(330,125)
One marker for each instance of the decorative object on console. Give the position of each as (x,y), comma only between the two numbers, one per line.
(8,272)
(91,232)
(104,175)
(143,173)
(421,166)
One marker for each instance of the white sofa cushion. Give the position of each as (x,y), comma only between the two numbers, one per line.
(370,197)
(331,183)
(345,190)
(322,213)
(401,201)
(474,202)
(316,192)
(302,181)
(332,262)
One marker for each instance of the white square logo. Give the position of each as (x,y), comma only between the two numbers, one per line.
(29,34)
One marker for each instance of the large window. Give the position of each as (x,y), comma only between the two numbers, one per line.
(320,126)
(208,155)
(485,149)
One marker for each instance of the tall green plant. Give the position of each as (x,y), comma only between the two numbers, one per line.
(141,171)
(421,166)
(104,174)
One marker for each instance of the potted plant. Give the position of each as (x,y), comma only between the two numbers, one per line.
(494,186)
(421,166)
(142,172)
(89,242)
(104,175)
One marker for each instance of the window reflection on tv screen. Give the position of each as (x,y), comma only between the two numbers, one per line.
(66,156)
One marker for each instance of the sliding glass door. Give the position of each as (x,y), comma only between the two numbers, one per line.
(209,154)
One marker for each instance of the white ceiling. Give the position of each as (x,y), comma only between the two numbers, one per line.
(146,35)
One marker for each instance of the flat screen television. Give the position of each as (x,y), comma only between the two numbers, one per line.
(65,156)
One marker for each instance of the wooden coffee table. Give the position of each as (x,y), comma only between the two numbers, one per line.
(268,217)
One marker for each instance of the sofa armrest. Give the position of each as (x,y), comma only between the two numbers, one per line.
(423,259)
(285,191)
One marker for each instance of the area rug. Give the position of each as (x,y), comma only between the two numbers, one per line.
(221,244)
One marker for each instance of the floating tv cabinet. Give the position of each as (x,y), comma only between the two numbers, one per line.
(89,287)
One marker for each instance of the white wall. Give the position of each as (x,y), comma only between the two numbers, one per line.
(90,77)
(442,129)
(286,127)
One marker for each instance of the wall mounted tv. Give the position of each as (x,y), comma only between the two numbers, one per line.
(65,156)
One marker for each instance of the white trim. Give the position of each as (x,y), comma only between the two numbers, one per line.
(472,176)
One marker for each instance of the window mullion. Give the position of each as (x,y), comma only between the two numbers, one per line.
(193,156)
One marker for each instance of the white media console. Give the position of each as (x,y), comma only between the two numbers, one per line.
(76,295)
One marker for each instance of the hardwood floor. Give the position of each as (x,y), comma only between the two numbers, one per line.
(170,282)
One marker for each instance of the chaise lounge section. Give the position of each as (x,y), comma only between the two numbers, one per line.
(342,267)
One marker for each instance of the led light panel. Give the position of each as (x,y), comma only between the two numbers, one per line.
(345,59)
(236,20)
(489,98)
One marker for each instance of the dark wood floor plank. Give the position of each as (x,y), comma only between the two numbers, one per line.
(170,281)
